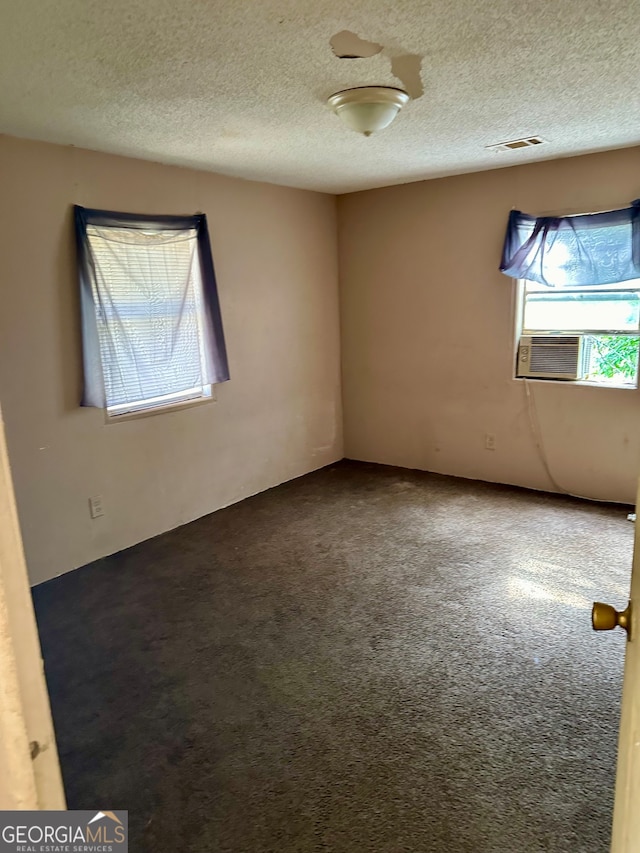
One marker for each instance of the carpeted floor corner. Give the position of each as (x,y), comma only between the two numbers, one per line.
(363,660)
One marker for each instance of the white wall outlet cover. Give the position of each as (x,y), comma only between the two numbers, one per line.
(96,507)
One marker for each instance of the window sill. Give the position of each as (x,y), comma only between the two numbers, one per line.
(159,410)
(583,383)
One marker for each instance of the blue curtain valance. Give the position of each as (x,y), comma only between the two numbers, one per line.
(574,251)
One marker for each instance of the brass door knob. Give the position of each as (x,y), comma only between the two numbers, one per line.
(604,617)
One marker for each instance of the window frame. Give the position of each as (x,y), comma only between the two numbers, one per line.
(524,331)
(211,343)
(166,407)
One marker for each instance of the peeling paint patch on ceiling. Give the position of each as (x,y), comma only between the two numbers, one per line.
(347,45)
(406,67)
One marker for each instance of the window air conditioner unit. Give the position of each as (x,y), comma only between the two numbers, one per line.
(554,356)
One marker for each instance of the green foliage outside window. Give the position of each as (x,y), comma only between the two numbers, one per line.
(615,357)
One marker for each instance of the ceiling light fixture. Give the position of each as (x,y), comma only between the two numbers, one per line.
(368,108)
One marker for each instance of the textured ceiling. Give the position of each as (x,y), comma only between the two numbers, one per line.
(239,87)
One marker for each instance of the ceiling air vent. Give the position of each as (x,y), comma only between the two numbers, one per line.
(515,144)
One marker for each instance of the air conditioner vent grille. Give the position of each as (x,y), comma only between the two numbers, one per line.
(554,357)
(558,359)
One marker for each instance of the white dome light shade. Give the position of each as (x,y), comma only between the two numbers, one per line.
(368,108)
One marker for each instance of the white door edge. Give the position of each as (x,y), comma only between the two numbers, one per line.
(30,775)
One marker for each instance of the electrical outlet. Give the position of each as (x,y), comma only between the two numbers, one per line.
(489,441)
(96,507)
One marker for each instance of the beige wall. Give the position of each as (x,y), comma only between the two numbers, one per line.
(428,333)
(278,417)
(427,342)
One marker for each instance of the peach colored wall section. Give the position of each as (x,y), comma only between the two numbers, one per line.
(428,328)
(279,416)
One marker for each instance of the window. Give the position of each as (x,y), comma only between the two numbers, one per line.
(581,289)
(606,316)
(152,332)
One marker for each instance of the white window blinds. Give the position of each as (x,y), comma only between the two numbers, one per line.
(148,299)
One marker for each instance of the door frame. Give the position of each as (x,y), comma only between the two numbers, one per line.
(30,777)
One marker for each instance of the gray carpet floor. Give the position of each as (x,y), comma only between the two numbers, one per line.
(363,659)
